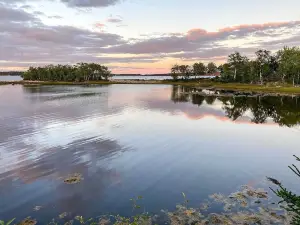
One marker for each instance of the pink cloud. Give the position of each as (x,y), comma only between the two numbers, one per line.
(198,33)
(126,70)
(255,26)
(99,25)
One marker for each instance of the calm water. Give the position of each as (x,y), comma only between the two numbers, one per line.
(17,78)
(148,77)
(10,78)
(129,140)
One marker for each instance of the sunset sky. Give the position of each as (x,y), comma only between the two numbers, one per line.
(141,36)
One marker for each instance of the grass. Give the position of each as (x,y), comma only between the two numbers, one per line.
(284,89)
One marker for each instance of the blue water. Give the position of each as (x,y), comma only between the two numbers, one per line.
(130,140)
(17,78)
(10,78)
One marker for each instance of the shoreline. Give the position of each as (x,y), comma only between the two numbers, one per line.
(204,84)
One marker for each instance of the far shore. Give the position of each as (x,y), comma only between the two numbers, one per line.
(207,84)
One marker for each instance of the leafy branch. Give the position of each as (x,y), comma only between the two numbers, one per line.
(291,199)
(7,223)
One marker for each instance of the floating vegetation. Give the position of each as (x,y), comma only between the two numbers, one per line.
(104,221)
(246,206)
(63,215)
(37,208)
(73,178)
(28,221)
(218,197)
(69,222)
(204,206)
(184,215)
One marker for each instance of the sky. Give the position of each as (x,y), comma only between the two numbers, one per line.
(141,36)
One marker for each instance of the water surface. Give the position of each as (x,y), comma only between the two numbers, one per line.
(10,78)
(144,77)
(128,140)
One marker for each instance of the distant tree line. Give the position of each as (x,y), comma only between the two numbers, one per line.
(75,73)
(283,67)
(185,72)
(11,73)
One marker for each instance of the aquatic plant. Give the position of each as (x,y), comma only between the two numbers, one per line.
(28,221)
(247,205)
(291,199)
(7,223)
(134,202)
(37,208)
(73,178)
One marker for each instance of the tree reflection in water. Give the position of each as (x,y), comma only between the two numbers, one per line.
(283,110)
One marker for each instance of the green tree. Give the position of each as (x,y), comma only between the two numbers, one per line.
(211,68)
(236,61)
(175,72)
(199,69)
(289,65)
(263,60)
(79,72)
(185,71)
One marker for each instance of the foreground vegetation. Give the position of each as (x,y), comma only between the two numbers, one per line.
(291,199)
(245,206)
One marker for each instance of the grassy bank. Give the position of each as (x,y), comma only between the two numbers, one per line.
(255,88)
(284,89)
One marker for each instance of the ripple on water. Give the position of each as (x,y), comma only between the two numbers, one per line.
(129,140)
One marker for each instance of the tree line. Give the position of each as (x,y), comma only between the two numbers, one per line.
(283,66)
(74,73)
(197,69)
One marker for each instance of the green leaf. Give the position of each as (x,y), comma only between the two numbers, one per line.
(183,195)
(140,197)
(2,222)
(9,222)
